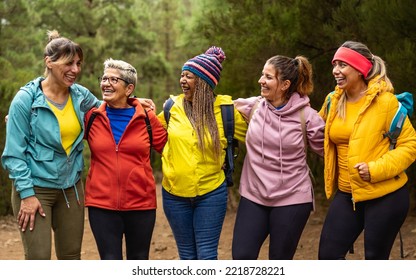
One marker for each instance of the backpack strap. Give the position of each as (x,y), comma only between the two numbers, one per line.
(406,99)
(396,126)
(253,109)
(328,102)
(405,108)
(227,113)
(90,120)
(303,125)
(149,128)
(146,119)
(166,109)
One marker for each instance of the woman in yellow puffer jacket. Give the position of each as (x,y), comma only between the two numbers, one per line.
(365,179)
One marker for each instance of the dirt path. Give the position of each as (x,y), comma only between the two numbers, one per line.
(163,245)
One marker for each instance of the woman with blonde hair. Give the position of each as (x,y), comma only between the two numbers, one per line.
(365,179)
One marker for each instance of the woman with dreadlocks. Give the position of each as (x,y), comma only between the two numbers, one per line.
(194,187)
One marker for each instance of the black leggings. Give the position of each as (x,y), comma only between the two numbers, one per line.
(255,222)
(380,219)
(108,227)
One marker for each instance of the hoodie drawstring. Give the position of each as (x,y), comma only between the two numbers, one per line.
(76,194)
(66,199)
(262,133)
(280,148)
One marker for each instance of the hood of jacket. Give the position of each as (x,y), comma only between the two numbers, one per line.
(268,113)
(275,170)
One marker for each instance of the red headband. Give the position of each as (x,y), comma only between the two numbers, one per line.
(355,59)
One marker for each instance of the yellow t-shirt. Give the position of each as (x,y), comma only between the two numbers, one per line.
(339,134)
(68,123)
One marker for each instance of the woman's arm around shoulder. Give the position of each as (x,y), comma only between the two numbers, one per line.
(247,106)
(89,99)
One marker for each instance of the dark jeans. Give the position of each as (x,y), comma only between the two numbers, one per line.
(380,219)
(254,222)
(109,226)
(196,222)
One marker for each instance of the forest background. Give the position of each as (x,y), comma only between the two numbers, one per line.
(158,36)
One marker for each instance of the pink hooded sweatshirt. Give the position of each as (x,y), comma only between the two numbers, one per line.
(275,170)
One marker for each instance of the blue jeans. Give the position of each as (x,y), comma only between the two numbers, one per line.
(196,222)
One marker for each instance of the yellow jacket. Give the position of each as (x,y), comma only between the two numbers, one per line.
(186,172)
(367,144)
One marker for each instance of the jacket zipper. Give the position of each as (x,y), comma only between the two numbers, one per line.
(118,179)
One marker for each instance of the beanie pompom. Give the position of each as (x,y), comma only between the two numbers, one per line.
(216,51)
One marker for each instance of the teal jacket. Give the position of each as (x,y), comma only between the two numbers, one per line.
(33,153)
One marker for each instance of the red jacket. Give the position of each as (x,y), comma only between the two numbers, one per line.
(120,176)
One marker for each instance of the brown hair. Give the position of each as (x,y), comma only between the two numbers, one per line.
(60,49)
(297,70)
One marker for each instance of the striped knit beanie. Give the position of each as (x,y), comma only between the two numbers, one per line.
(207,66)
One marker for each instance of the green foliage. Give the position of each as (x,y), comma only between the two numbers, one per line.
(18,50)
(5,184)
(121,29)
(252,31)
(158,36)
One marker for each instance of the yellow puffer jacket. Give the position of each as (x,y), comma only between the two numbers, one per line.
(367,144)
(186,172)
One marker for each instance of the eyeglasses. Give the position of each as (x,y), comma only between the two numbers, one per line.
(112,80)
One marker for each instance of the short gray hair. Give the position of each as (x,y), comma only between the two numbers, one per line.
(127,71)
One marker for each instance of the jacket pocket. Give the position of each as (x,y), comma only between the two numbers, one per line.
(141,186)
(41,163)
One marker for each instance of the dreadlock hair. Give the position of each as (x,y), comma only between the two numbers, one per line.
(200,112)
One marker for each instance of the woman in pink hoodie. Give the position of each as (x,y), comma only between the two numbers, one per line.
(275,187)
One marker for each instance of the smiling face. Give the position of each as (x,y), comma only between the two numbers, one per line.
(346,76)
(187,82)
(272,89)
(64,74)
(115,94)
